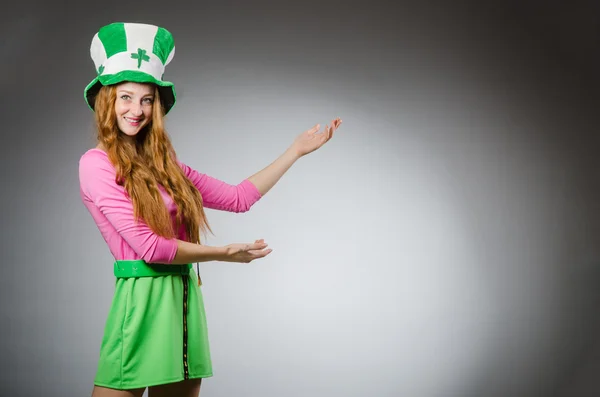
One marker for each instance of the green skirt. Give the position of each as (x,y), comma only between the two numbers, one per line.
(156,330)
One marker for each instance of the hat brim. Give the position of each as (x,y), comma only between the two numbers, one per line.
(165,88)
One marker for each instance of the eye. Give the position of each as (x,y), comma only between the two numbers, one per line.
(148,100)
(125,97)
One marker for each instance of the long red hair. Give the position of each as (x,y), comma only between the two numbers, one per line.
(143,165)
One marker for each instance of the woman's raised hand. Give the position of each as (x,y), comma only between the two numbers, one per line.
(310,140)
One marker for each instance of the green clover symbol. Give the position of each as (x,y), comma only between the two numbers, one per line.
(140,56)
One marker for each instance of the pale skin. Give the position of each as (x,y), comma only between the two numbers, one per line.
(133,110)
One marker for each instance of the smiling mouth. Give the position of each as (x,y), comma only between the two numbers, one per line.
(133,121)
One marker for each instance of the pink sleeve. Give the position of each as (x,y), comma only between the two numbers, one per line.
(219,195)
(97,184)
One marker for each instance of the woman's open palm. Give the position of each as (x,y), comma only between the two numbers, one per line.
(311,140)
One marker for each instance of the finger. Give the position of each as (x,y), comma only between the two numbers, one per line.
(260,254)
(327,135)
(254,246)
(257,256)
(336,123)
(323,137)
(259,251)
(258,246)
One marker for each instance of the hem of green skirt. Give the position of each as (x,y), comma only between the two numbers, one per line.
(121,386)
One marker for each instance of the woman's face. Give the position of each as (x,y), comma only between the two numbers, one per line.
(133,107)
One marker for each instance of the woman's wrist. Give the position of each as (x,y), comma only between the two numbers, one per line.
(219,253)
(191,253)
(293,153)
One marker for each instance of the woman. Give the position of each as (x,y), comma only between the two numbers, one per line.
(148,206)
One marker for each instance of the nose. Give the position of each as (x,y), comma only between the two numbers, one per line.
(136,109)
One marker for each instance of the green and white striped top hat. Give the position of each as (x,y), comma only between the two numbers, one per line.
(132,52)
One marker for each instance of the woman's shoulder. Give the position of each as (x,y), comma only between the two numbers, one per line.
(94,151)
(94,159)
(93,154)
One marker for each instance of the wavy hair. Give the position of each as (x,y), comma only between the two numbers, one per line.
(144,164)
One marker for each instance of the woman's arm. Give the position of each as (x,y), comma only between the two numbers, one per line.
(266,178)
(112,210)
(219,195)
(192,253)
(305,143)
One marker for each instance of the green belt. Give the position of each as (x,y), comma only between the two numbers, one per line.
(139,268)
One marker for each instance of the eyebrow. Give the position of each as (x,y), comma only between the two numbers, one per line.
(131,93)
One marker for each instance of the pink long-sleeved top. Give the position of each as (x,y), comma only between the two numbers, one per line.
(112,210)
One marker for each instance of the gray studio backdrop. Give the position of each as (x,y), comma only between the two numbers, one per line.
(443,244)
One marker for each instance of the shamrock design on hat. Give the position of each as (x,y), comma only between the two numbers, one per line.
(140,56)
